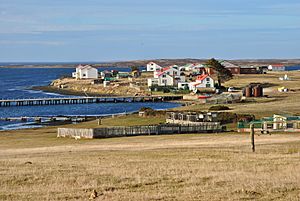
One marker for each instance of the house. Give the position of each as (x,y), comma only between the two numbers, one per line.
(292,68)
(250,70)
(192,67)
(281,67)
(286,122)
(169,76)
(234,69)
(276,67)
(202,81)
(106,74)
(276,123)
(85,72)
(151,66)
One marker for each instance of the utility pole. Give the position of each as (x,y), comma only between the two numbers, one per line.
(252,137)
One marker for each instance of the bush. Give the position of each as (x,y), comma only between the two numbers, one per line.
(151,112)
(165,89)
(218,107)
(227,117)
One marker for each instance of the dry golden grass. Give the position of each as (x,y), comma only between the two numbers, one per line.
(174,167)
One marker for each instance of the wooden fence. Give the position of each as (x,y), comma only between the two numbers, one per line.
(161,129)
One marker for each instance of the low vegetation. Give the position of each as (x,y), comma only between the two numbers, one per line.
(218,108)
(174,167)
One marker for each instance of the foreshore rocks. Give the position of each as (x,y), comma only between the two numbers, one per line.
(70,86)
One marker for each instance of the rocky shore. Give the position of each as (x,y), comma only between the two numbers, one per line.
(70,86)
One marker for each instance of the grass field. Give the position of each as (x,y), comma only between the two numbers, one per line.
(174,167)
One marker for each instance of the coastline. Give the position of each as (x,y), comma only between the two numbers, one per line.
(50,89)
(126,64)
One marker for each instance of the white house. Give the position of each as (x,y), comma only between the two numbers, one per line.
(202,81)
(153,67)
(169,76)
(85,72)
(192,67)
(276,67)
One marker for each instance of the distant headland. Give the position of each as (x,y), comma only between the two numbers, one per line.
(162,62)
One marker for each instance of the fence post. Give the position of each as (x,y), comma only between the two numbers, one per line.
(252,137)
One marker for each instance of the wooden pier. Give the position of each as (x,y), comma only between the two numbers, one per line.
(85,100)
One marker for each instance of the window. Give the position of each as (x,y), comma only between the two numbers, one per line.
(164,76)
(207,79)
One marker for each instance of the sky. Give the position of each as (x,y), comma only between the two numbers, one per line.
(114,30)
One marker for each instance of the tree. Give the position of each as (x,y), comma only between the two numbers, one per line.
(134,68)
(223,74)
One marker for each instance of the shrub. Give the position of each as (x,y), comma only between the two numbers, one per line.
(227,117)
(218,107)
(151,112)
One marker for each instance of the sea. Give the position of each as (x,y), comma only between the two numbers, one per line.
(16,83)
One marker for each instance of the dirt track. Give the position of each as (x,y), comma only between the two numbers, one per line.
(159,142)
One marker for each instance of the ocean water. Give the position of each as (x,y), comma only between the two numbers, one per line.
(16,83)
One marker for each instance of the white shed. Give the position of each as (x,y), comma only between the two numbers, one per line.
(151,66)
(85,72)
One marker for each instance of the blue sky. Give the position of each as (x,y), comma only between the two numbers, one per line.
(98,30)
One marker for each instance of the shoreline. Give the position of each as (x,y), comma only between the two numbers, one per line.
(50,89)
(139,63)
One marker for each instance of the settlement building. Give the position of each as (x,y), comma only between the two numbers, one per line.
(281,67)
(202,81)
(234,69)
(85,72)
(276,67)
(169,76)
(153,67)
(285,123)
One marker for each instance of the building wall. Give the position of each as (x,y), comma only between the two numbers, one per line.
(202,84)
(153,67)
(89,73)
(234,70)
(248,71)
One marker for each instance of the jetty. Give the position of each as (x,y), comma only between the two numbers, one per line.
(85,100)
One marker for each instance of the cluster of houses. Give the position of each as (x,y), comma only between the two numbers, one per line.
(198,76)
(181,77)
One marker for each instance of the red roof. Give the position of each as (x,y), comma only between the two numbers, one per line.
(202,77)
(166,68)
(278,65)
